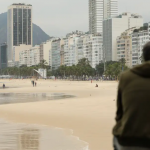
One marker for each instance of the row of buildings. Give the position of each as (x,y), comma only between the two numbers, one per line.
(56,51)
(65,51)
(123,37)
(114,27)
(110,38)
(130,44)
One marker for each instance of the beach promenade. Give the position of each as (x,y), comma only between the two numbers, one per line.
(90,114)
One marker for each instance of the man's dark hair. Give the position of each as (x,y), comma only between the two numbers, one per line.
(146,52)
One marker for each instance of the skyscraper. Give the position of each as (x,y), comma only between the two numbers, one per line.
(19,29)
(111,7)
(100,10)
(3,56)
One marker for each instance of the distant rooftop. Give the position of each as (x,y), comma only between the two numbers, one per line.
(22,4)
(75,32)
(130,15)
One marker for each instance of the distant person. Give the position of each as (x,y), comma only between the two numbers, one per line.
(3,86)
(35,83)
(96,85)
(132,129)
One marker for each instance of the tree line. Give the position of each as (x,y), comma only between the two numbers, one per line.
(111,69)
(24,71)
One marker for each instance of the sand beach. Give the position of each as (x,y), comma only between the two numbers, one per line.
(89,113)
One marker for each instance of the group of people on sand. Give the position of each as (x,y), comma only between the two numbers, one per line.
(34,83)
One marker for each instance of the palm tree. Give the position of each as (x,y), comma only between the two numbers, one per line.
(84,62)
(123,62)
(43,64)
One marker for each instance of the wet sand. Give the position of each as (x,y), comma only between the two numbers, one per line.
(90,114)
(17,136)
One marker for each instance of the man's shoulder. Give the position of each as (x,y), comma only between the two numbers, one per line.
(127,74)
(126,78)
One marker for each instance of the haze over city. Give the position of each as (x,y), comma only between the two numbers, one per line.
(59,17)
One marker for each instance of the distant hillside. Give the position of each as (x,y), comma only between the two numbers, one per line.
(39,35)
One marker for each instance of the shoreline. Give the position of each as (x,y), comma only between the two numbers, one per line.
(39,136)
(90,114)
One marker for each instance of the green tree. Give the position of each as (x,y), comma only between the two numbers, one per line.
(43,64)
(100,68)
(113,70)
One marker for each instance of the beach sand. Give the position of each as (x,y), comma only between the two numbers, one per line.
(90,114)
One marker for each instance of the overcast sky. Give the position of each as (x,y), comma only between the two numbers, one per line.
(59,17)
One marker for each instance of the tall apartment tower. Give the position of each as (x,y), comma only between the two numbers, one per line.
(111,8)
(100,10)
(19,29)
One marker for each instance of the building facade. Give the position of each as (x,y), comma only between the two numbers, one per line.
(139,39)
(70,48)
(100,10)
(78,46)
(113,27)
(130,45)
(90,46)
(45,49)
(62,55)
(3,56)
(111,7)
(124,47)
(30,57)
(55,52)
(66,51)
(19,29)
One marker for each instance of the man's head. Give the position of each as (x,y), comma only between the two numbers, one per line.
(146,52)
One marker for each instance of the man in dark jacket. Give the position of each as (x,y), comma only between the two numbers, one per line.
(132,129)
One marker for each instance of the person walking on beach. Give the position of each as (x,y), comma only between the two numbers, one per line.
(132,129)
(35,84)
(3,86)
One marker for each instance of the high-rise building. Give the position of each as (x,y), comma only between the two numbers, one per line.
(113,27)
(3,56)
(100,10)
(19,29)
(111,8)
(55,53)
